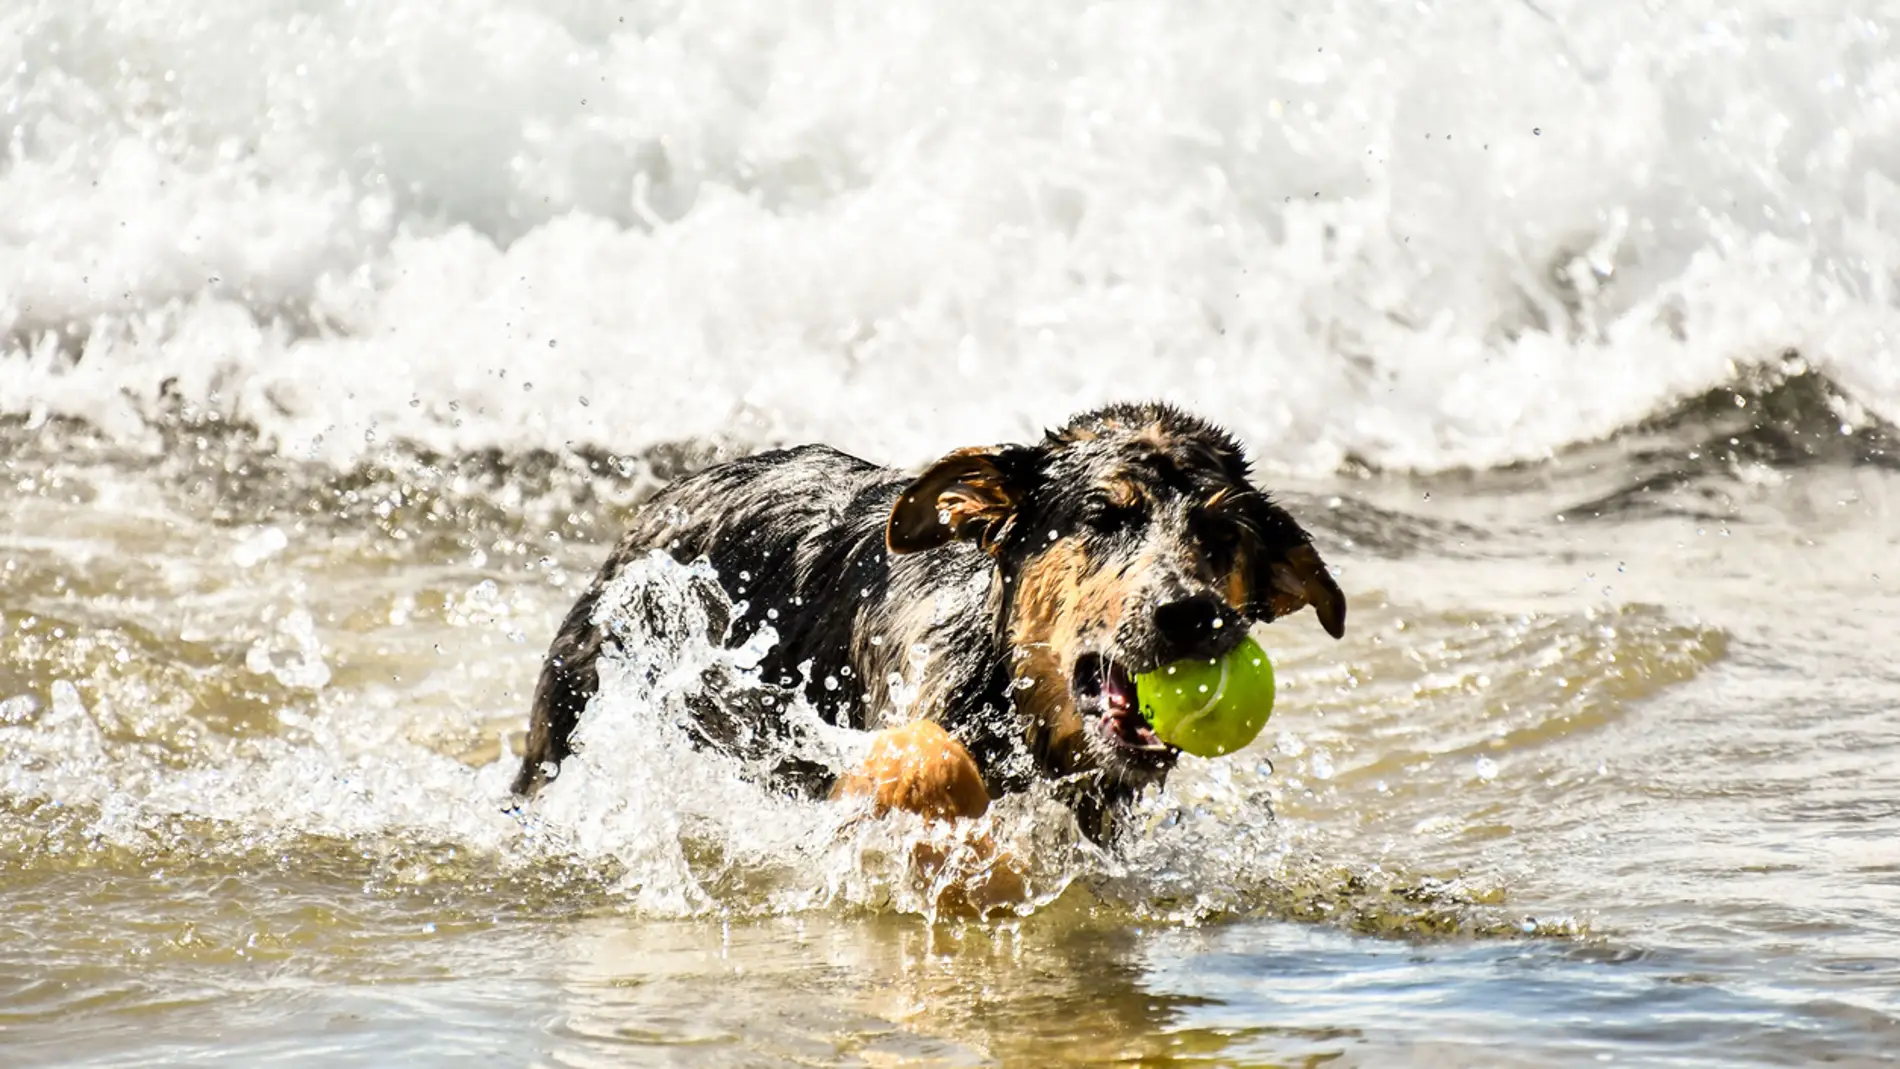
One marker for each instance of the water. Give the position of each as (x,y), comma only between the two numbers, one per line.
(337,340)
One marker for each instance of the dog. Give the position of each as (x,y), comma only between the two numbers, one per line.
(1022,587)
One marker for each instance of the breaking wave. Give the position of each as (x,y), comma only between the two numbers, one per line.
(494,225)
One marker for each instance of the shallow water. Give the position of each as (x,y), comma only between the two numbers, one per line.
(339,340)
(1581,783)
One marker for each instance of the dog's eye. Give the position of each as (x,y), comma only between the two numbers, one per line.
(1219,537)
(1106,517)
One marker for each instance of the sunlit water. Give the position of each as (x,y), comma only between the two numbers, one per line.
(337,340)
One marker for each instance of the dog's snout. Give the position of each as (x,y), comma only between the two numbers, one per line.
(1196,626)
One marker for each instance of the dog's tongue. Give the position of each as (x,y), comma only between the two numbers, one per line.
(1121,713)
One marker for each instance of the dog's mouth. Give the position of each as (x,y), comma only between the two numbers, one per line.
(1106,697)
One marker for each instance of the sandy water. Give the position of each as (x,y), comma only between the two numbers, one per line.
(338,339)
(1604,771)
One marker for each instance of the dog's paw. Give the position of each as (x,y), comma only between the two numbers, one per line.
(968,874)
(918,768)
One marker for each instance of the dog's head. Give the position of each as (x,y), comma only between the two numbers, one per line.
(1126,540)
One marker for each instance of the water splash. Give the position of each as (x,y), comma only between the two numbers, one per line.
(640,818)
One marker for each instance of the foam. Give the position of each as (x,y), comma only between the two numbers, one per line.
(1425,237)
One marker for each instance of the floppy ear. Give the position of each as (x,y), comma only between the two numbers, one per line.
(1285,573)
(969,495)
(1301,578)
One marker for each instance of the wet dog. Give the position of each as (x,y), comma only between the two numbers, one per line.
(986,618)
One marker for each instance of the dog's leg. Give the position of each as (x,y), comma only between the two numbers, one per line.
(569,678)
(920,768)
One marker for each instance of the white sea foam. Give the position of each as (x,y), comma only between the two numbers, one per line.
(1425,234)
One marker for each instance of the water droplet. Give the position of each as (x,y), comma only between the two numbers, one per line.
(18,709)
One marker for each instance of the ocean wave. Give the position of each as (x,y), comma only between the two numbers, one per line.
(1354,237)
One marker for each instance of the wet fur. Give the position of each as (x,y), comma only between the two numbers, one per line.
(984,581)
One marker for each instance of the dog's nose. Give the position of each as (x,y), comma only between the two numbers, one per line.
(1198,626)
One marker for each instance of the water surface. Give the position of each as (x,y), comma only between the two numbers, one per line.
(338,340)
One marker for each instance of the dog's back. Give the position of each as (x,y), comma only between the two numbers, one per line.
(797,539)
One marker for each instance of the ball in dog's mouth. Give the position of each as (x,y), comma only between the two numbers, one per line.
(1106,696)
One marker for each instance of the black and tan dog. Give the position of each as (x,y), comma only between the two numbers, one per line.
(1021,588)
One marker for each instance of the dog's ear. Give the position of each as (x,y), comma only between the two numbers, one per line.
(1284,571)
(970,495)
(1300,578)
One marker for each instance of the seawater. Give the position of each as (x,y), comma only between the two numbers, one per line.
(337,340)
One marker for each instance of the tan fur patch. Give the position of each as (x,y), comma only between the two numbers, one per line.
(918,768)
(1063,601)
(1047,591)
(1124,493)
(1237,585)
(1156,434)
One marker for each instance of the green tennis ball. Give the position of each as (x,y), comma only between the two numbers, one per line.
(1210,707)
